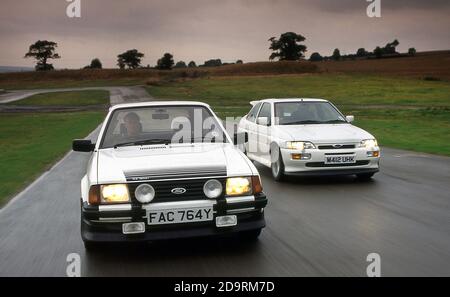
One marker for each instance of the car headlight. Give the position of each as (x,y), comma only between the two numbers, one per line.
(237,186)
(369,143)
(300,145)
(212,188)
(116,193)
(144,193)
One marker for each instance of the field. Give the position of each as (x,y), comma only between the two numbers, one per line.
(404,102)
(405,113)
(30,144)
(76,98)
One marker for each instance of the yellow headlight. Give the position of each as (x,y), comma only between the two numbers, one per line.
(115,193)
(369,143)
(238,186)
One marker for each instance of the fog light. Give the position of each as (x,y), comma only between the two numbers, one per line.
(144,193)
(301,156)
(226,221)
(373,154)
(133,228)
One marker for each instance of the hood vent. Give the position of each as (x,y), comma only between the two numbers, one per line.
(152,148)
(177,173)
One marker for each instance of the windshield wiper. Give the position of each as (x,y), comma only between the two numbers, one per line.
(204,140)
(334,121)
(303,122)
(143,142)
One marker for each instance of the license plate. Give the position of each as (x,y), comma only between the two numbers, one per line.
(179,215)
(344,159)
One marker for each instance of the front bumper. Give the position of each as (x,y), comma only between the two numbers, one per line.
(315,165)
(104,224)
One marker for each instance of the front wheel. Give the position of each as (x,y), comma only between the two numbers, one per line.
(277,167)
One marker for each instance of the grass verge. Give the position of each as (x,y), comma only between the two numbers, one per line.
(31,143)
(75,98)
(424,128)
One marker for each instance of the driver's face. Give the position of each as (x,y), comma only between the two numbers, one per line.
(132,125)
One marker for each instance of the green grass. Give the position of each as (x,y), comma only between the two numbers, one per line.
(341,89)
(423,129)
(31,143)
(75,98)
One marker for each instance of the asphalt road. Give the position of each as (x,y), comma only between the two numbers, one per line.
(315,227)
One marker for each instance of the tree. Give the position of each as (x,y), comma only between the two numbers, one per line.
(315,57)
(192,64)
(287,47)
(412,51)
(131,58)
(378,52)
(361,52)
(42,50)
(96,64)
(239,62)
(336,54)
(180,64)
(390,47)
(166,62)
(213,63)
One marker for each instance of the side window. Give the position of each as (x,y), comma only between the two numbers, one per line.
(252,114)
(265,112)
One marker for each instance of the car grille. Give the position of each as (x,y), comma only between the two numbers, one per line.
(194,189)
(322,164)
(334,146)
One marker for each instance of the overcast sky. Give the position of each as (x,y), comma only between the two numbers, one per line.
(203,29)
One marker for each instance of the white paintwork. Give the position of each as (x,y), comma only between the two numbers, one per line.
(263,138)
(109,165)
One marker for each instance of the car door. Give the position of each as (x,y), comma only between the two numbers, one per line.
(250,128)
(263,126)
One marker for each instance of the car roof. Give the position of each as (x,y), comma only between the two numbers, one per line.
(157,103)
(278,100)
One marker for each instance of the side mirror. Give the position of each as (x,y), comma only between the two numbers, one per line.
(350,118)
(240,138)
(82,145)
(263,121)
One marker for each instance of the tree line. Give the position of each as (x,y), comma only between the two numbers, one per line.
(289,46)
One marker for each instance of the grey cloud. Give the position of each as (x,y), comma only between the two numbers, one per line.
(203,29)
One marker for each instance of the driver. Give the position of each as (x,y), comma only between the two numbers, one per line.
(132,124)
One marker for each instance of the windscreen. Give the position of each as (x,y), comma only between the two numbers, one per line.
(298,113)
(161,125)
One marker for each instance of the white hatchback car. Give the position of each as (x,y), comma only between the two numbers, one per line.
(162,170)
(308,137)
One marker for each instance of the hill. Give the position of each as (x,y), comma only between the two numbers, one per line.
(431,65)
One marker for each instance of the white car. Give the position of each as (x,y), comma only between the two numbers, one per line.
(307,137)
(161,170)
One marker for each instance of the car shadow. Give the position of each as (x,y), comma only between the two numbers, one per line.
(157,257)
(266,174)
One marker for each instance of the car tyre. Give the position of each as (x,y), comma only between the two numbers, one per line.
(365,176)
(278,168)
